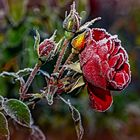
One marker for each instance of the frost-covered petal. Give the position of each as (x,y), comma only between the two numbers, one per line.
(87,53)
(100,99)
(102,51)
(120,80)
(105,67)
(110,74)
(92,72)
(122,50)
(116,61)
(116,49)
(121,61)
(113,60)
(126,68)
(99,34)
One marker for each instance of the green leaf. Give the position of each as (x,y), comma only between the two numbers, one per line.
(18,111)
(4,132)
(80,82)
(16,10)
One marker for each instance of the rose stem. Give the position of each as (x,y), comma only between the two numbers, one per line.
(60,57)
(66,62)
(30,79)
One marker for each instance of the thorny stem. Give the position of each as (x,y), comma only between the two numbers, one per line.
(66,102)
(29,80)
(66,62)
(60,57)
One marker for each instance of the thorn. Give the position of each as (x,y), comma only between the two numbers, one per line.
(66,13)
(73,7)
(53,36)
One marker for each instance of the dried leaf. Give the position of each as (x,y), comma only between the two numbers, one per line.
(80,82)
(75,66)
(77,120)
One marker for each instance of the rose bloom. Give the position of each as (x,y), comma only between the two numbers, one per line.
(105,67)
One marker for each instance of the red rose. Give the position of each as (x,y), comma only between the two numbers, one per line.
(105,67)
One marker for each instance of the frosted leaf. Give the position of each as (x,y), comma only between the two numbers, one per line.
(77,120)
(80,82)
(18,111)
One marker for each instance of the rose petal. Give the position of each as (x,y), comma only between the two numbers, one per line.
(116,50)
(105,67)
(113,60)
(102,51)
(99,34)
(100,99)
(121,50)
(92,72)
(87,53)
(126,68)
(120,81)
(110,74)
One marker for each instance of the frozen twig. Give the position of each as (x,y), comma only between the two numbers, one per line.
(30,79)
(61,55)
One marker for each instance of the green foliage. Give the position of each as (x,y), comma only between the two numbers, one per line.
(15,36)
(18,111)
(17,10)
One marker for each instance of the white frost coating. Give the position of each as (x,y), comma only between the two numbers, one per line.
(103,41)
(113,37)
(103,30)
(89,23)
(123,60)
(89,35)
(117,85)
(126,55)
(109,74)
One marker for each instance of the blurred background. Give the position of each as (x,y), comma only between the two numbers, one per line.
(18,21)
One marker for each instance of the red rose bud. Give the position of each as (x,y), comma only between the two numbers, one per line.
(105,67)
(72,21)
(47,49)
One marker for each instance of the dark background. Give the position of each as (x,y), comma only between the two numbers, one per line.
(18,21)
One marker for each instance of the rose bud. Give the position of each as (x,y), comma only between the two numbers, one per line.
(78,43)
(105,67)
(47,49)
(72,21)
